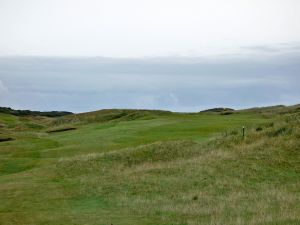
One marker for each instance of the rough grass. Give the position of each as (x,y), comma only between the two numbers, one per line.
(161,169)
(229,180)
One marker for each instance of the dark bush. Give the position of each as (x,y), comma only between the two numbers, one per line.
(259,129)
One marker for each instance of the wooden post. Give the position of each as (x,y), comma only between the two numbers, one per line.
(243,131)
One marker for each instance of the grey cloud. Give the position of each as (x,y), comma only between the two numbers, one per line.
(281,49)
(262,48)
(2,87)
(3,92)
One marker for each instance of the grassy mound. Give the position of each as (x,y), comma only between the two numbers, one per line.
(156,152)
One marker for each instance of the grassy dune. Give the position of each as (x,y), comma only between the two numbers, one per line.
(152,167)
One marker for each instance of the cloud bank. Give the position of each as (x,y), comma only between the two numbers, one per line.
(172,83)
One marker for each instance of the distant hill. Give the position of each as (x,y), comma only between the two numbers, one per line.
(11,111)
(106,115)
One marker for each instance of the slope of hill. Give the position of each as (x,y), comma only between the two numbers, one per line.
(152,167)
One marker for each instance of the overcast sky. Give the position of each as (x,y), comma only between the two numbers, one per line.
(183,55)
(134,28)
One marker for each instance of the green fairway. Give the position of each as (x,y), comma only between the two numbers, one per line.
(151,167)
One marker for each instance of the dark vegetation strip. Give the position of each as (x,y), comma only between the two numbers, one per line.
(61,130)
(11,111)
(218,110)
(6,139)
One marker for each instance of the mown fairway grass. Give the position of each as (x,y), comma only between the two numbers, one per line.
(151,167)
